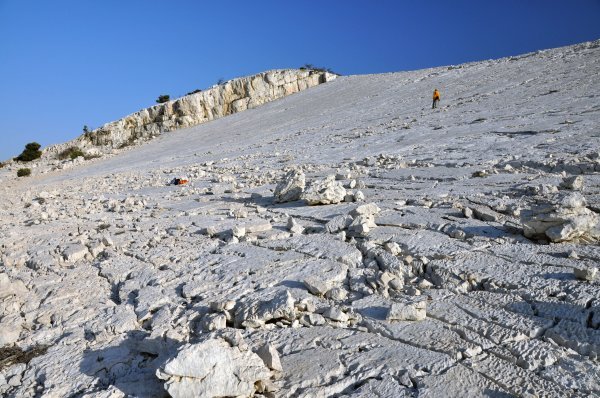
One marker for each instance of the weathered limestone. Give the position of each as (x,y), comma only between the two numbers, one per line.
(445,297)
(253,312)
(233,96)
(564,218)
(407,311)
(75,252)
(268,353)
(9,288)
(324,192)
(291,187)
(213,369)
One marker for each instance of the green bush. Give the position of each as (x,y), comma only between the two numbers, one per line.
(23,172)
(71,153)
(31,152)
(194,92)
(163,98)
(2,165)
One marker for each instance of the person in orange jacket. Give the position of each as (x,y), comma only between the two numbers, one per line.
(436,98)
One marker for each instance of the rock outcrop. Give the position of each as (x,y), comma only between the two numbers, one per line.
(233,96)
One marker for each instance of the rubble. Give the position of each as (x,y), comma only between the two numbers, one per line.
(564,218)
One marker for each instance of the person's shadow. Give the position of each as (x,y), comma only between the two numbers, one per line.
(131,365)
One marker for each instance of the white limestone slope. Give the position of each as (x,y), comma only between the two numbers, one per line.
(437,275)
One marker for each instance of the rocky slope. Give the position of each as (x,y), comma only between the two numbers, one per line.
(220,100)
(448,252)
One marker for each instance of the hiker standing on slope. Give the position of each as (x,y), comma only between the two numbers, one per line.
(436,98)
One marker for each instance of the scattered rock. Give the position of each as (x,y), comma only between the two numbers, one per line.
(565,218)
(393,248)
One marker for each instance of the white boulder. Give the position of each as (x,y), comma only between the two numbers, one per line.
(213,369)
(325,192)
(290,188)
(407,311)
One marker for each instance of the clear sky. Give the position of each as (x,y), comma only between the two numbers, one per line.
(69,63)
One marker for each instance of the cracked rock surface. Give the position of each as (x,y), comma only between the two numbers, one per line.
(343,241)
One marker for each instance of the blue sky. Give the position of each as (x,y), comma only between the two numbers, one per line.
(69,63)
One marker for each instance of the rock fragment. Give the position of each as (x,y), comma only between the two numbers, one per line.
(335,314)
(9,333)
(238,231)
(213,369)
(75,252)
(212,322)
(574,183)
(325,192)
(338,223)
(316,286)
(407,311)
(268,353)
(291,187)
(564,218)
(254,313)
(586,273)
(294,226)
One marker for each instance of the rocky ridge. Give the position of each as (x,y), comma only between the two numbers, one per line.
(447,252)
(233,96)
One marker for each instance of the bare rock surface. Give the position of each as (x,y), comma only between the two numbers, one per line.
(446,252)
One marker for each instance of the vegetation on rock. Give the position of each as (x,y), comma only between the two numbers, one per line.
(70,153)
(23,172)
(31,152)
(311,67)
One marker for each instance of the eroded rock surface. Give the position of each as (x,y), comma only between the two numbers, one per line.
(452,252)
